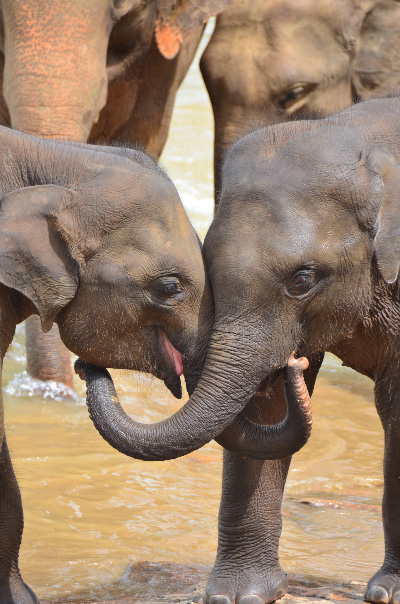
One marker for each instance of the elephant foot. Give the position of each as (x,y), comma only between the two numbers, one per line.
(255,584)
(384,587)
(15,591)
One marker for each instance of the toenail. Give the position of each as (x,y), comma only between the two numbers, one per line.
(281,593)
(216,599)
(396,597)
(251,599)
(378,594)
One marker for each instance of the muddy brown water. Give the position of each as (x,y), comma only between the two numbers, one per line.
(90,511)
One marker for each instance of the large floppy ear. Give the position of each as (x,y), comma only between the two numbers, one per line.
(177,18)
(36,253)
(387,238)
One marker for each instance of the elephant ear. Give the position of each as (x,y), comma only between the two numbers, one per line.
(376,70)
(36,252)
(387,238)
(177,18)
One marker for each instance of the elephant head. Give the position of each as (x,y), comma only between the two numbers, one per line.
(296,60)
(96,240)
(289,59)
(305,236)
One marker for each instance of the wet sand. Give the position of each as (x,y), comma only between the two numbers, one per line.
(168,583)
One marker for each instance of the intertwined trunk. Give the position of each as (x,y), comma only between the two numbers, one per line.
(230,376)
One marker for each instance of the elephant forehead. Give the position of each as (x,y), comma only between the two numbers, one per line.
(309,241)
(284,197)
(120,206)
(283,235)
(149,247)
(296,156)
(146,237)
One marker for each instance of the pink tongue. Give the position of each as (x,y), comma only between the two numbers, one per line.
(174,355)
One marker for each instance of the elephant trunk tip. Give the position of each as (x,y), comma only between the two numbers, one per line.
(79,368)
(300,364)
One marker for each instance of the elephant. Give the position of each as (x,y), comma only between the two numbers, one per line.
(100,71)
(303,256)
(296,60)
(96,240)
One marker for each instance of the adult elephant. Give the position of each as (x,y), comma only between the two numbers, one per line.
(293,60)
(303,255)
(102,70)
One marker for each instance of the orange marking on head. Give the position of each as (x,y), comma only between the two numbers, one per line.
(169,39)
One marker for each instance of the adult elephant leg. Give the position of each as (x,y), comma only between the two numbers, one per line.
(140,105)
(12,588)
(47,357)
(384,586)
(247,568)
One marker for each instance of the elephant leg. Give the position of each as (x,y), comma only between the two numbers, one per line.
(12,588)
(140,105)
(247,568)
(384,586)
(47,357)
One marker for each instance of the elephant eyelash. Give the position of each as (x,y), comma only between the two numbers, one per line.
(311,278)
(165,290)
(295,95)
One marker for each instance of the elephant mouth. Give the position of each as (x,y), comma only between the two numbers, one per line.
(264,385)
(174,362)
(268,382)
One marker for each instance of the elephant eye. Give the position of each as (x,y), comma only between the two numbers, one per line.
(302,281)
(295,96)
(167,287)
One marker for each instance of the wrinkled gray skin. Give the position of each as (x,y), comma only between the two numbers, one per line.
(96,240)
(303,254)
(296,60)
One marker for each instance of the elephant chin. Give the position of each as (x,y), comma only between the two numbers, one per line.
(173,383)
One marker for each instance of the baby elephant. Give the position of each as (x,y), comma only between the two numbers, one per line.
(303,255)
(96,240)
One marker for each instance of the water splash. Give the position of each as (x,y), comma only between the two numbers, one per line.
(16,351)
(24,385)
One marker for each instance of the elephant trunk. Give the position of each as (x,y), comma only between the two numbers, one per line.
(55,80)
(209,410)
(224,389)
